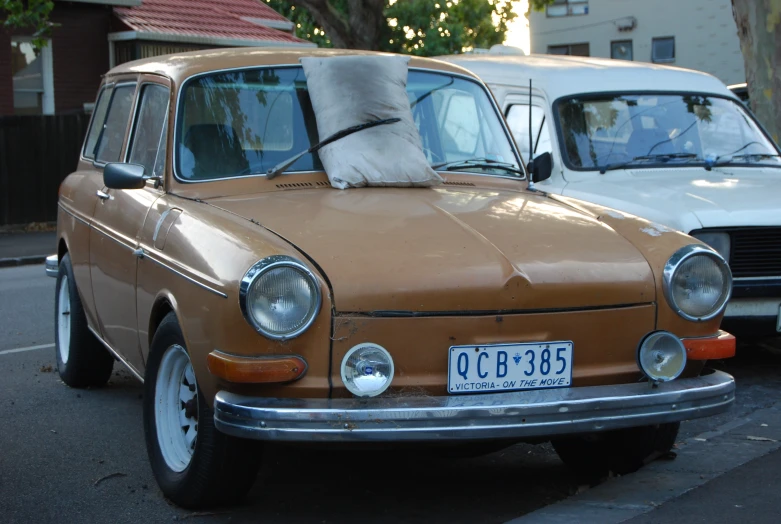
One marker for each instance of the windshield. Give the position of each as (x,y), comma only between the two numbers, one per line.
(245,122)
(646,129)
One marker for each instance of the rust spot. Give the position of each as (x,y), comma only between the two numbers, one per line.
(500,318)
(452,338)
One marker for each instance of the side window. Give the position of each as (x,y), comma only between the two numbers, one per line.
(518,121)
(113,134)
(147,145)
(98,118)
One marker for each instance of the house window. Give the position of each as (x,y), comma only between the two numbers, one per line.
(33,82)
(569,49)
(663,49)
(567,8)
(621,49)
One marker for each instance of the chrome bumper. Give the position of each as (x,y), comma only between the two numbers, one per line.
(52,266)
(538,413)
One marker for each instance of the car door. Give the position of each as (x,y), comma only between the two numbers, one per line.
(135,115)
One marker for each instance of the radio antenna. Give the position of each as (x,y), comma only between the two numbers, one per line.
(530,164)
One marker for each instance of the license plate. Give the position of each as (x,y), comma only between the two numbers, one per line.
(508,367)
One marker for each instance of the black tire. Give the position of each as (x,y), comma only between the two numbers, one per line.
(618,452)
(82,361)
(222,468)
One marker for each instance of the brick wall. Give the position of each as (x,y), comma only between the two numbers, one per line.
(80,53)
(6,83)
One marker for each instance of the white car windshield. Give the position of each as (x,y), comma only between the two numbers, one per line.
(244,122)
(646,130)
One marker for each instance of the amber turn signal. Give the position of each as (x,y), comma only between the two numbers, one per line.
(720,346)
(256,370)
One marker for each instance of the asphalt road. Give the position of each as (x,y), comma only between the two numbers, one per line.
(71,455)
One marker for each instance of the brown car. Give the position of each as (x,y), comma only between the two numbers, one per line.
(473,312)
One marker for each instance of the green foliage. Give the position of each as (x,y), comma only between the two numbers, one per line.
(306,27)
(539,5)
(29,14)
(431,27)
(419,27)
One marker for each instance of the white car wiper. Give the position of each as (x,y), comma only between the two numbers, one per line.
(282,166)
(730,160)
(661,157)
(485,163)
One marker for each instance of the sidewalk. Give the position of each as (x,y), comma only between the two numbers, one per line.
(17,249)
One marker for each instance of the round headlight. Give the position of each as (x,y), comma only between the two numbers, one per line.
(697,283)
(367,370)
(279,297)
(662,356)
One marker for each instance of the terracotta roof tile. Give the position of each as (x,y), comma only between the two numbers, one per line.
(206,18)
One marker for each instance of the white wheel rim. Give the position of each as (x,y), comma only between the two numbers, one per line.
(176,408)
(64,320)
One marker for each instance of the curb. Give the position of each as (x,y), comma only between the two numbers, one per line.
(22,261)
(700,459)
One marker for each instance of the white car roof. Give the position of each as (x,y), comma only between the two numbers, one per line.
(561,76)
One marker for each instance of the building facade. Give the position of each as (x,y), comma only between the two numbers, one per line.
(91,36)
(695,34)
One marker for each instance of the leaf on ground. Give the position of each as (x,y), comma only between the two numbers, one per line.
(111,476)
(761,439)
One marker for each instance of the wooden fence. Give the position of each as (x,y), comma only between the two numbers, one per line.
(36,154)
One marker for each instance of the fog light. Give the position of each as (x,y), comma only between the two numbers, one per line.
(367,370)
(662,356)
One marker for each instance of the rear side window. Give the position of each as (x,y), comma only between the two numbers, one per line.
(98,118)
(148,142)
(518,121)
(112,137)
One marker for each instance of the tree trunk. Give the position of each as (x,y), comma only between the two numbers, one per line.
(359,28)
(759,30)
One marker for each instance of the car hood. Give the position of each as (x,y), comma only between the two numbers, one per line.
(690,198)
(452,249)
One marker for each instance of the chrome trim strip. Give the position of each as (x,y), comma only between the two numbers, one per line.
(175,149)
(52,266)
(518,414)
(263,266)
(149,256)
(117,355)
(73,214)
(748,279)
(675,261)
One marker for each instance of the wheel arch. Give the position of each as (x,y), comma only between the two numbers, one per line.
(62,249)
(164,304)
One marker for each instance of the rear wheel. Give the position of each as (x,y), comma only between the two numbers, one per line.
(620,452)
(194,464)
(82,360)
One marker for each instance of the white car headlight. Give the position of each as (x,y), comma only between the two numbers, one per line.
(697,283)
(279,297)
(719,241)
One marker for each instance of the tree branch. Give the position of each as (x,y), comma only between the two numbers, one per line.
(331,20)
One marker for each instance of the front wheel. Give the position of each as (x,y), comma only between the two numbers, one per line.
(194,464)
(82,360)
(622,451)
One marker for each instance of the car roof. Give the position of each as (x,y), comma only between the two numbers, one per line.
(561,76)
(180,66)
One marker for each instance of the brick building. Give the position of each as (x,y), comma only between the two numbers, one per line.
(91,36)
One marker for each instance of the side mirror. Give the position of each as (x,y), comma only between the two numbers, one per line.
(119,175)
(541,167)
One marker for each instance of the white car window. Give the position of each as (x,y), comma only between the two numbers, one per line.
(518,121)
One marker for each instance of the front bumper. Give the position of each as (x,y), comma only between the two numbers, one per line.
(518,414)
(52,266)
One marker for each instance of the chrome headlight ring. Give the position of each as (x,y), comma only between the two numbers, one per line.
(673,265)
(261,268)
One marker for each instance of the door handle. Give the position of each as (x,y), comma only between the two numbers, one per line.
(102,195)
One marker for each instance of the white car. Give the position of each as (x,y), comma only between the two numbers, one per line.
(671,145)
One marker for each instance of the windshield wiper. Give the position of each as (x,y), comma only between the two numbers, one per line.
(662,157)
(727,161)
(279,168)
(485,163)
